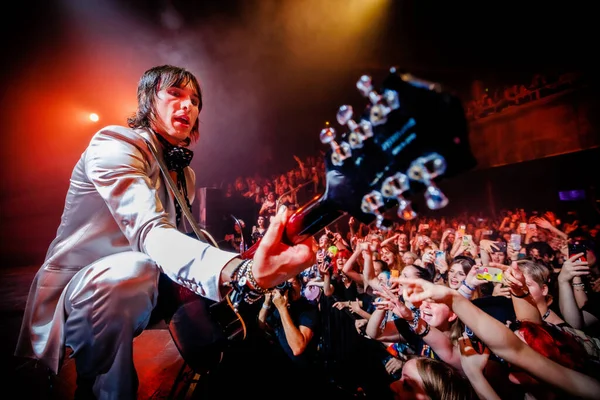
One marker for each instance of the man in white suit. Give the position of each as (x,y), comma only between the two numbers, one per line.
(119,230)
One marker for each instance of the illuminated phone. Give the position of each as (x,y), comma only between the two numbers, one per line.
(576,248)
(515,241)
(490,274)
(466,240)
(501,246)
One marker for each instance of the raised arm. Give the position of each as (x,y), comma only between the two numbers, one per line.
(502,341)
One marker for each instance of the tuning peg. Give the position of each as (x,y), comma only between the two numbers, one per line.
(358,133)
(381,105)
(420,83)
(371,204)
(395,186)
(339,152)
(425,169)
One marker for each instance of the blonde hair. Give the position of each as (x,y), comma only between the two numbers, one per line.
(441,381)
(538,272)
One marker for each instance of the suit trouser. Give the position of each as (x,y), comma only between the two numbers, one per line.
(108,303)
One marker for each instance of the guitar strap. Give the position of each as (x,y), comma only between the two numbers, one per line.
(201,234)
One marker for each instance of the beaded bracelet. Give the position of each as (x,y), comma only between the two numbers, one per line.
(250,276)
(242,275)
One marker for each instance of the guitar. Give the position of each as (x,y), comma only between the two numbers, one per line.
(410,135)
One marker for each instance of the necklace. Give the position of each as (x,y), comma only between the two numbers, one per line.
(546,315)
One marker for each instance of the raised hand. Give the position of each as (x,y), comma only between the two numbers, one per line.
(355,307)
(543,223)
(394,365)
(360,325)
(428,257)
(280,300)
(489,246)
(550,216)
(471,278)
(573,267)
(514,279)
(274,261)
(596,285)
(390,301)
(472,360)
(501,290)
(341,304)
(324,269)
(418,290)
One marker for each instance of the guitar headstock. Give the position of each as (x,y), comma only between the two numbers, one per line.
(410,135)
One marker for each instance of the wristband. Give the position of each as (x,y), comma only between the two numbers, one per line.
(521,296)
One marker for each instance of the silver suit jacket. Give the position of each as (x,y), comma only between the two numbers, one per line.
(117,201)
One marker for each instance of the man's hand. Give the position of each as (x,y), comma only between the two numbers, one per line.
(276,262)
(280,300)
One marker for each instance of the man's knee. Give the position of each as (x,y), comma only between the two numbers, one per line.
(123,268)
(118,278)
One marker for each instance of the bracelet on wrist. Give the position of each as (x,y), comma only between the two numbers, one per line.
(244,285)
(578,284)
(522,296)
(250,276)
(266,306)
(466,294)
(425,331)
(464,283)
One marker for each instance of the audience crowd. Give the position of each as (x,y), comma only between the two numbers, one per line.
(455,307)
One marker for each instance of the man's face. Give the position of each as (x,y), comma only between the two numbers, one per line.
(403,242)
(177,111)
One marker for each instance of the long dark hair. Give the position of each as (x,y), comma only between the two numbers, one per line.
(153,80)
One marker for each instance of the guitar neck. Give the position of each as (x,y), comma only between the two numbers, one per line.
(305,222)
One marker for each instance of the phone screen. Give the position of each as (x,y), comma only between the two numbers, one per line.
(501,246)
(576,248)
(466,240)
(490,274)
(515,241)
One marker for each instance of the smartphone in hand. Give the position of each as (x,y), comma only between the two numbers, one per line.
(501,246)
(490,274)
(576,248)
(515,241)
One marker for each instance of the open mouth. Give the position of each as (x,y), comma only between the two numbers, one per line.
(183,120)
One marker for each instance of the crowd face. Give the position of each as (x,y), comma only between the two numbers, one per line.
(456,275)
(410,385)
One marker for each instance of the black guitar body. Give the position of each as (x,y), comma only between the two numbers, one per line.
(197,335)
(201,329)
